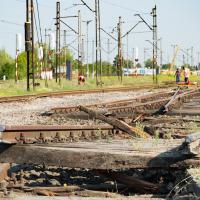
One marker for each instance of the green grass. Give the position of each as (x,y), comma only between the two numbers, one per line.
(10,88)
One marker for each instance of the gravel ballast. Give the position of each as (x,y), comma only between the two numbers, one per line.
(29,112)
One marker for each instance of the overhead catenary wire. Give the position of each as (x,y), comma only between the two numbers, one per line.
(9,22)
(69,26)
(125,8)
(87,6)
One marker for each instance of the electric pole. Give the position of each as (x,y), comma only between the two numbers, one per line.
(93,49)
(187,57)
(96,27)
(99,30)
(16,58)
(119,63)
(198,57)
(145,50)
(79,45)
(87,30)
(183,60)
(155,44)
(58,42)
(127,48)
(161,54)
(32,38)
(192,56)
(108,50)
(45,57)
(133,51)
(82,51)
(28,42)
(65,45)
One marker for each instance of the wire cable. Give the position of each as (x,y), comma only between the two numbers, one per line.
(123,7)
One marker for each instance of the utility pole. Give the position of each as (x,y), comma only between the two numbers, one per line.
(45,57)
(145,50)
(198,57)
(192,56)
(32,38)
(96,27)
(16,57)
(28,42)
(45,49)
(79,44)
(155,44)
(93,49)
(58,42)
(119,63)
(99,30)
(108,50)
(87,23)
(183,59)
(65,45)
(187,56)
(161,54)
(133,51)
(127,49)
(174,53)
(82,51)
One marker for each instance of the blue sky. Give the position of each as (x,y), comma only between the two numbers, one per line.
(177,23)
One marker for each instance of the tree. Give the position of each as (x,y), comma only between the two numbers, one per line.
(166,66)
(149,64)
(6,65)
(138,65)
(22,65)
(5,58)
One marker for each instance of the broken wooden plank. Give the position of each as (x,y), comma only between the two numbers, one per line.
(164,109)
(123,126)
(116,154)
(185,112)
(192,142)
(131,182)
(18,196)
(194,185)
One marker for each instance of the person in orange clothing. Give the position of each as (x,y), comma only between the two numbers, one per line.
(186,75)
(81,80)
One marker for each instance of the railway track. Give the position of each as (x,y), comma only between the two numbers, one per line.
(132,107)
(56,134)
(103,147)
(121,109)
(122,103)
(75,92)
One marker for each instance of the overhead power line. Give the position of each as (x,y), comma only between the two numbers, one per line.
(87,6)
(9,22)
(123,7)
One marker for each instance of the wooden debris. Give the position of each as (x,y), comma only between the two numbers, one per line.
(133,131)
(44,192)
(164,109)
(131,182)
(116,154)
(193,143)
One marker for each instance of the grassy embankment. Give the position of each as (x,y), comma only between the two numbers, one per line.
(9,88)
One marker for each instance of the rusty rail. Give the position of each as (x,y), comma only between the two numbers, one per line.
(75,92)
(54,134)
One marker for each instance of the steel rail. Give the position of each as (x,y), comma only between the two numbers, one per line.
(76,92)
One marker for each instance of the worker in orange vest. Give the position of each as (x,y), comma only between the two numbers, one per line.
(81,80)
